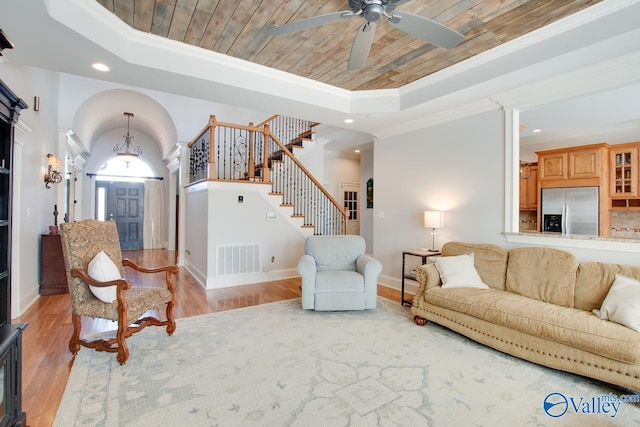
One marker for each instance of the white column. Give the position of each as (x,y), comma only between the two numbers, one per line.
(511,169)
(182,210)
(21,129)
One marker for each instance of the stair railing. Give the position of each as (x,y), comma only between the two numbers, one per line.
(305,194)
(227,151)
(289,130)
(231,152)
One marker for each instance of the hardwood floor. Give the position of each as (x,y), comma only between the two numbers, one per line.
(47,361)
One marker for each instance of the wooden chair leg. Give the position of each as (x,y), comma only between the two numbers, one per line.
(171,323)
(123,351)
(74,342)
(121,334)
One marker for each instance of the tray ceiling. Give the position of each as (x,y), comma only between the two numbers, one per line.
(239,29)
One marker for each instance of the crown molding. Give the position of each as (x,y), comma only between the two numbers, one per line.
(617,72)
(439,117)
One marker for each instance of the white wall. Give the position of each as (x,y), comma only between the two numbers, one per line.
(216,218)
(340,168)
(456,167)
(34,203)
(197,231)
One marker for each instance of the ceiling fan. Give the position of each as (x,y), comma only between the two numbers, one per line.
(372,10)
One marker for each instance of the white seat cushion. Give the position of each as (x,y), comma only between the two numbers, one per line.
(339,281)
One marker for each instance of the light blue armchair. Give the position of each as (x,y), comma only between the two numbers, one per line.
(337,275)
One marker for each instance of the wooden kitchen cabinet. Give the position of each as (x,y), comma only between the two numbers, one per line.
(624,172)
(581,166)
(53,276)
(529,188)
(573,166)
(552,166)
(624,189)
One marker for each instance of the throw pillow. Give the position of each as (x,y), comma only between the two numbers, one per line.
(459,272)
(622,303)
(102,269)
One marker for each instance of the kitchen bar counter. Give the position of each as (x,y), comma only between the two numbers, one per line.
(575,241)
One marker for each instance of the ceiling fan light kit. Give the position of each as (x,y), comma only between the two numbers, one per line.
(372,10)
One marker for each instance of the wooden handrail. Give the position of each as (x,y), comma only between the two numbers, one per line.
(194,140)
(264,122)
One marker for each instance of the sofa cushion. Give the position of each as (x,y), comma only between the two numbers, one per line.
(458,272)
(622,304)
(569,326)
(490,260)
(594,280)
(544,274)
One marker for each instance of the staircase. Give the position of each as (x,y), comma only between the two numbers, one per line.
(257,153)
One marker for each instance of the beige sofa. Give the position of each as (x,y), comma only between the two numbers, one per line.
(538,307)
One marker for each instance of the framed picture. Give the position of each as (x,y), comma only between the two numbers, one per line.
(370,193)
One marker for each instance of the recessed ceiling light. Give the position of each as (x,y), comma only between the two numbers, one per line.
(357,151)
(536,130)
(100,66)
(348,121)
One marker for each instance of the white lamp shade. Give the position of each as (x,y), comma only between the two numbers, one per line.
(432,219)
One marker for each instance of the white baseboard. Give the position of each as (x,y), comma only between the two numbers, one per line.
(248,279)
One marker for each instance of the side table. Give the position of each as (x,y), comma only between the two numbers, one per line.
(423,255)
(53,276)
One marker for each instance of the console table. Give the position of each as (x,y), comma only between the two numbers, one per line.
(423,255)
(53,276)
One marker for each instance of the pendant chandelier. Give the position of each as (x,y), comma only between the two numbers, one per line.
(127,152)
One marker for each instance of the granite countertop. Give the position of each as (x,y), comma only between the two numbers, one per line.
(575,237)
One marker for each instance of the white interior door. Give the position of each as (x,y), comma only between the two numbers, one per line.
(350,199)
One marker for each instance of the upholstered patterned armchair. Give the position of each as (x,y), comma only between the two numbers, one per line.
(98,289)
(337,275)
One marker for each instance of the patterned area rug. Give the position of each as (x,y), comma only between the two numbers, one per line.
(277,365)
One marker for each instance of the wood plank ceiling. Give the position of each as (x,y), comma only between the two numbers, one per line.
(239,28)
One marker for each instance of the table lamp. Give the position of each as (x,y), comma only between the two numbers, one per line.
(433,220)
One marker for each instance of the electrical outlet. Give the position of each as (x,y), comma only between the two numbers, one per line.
(273,259)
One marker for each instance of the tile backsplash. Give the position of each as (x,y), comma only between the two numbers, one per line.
(528,220)
(625,224)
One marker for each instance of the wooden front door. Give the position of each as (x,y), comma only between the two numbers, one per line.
(125,206)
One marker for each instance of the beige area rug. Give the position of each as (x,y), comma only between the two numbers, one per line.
(277,365)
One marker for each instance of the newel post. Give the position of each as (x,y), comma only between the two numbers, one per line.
(211,166)
(252,172)
(264,173)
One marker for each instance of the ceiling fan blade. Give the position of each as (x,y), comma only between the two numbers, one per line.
(361,46)
(314,21)
(427,30)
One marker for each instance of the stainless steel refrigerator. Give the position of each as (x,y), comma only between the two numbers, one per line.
(570,210)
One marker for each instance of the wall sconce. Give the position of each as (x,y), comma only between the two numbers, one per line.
(53,172)
(433,220)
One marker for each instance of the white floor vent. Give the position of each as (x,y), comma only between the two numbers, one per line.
(239,258)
